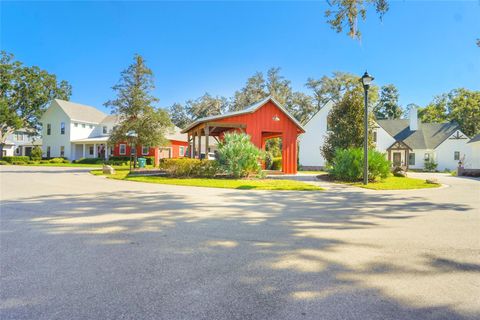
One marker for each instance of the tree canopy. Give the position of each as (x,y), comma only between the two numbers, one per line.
(346,124)
(25,93)
(134,104)
(459,105)
(388,107)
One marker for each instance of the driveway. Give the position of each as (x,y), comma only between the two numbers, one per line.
(77,246)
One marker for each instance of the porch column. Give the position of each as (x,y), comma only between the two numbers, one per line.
(83,153)
(95,153)
(105,151)
(199,143)
(207,133)
(192,149)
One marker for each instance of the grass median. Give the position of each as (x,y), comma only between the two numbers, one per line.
(245,184)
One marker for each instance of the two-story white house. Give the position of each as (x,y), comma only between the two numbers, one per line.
(405,142)
(77,131)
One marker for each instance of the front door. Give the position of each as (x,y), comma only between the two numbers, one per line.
(397,159)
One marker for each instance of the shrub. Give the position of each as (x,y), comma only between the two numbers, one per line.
(150,160)
(186,167)
(19,162)
(56,160)
(276,164)
(36,153)
(3,163)
(90,160)
(238,156)
(12,159)
(120,158)
(348,165)
(430,165)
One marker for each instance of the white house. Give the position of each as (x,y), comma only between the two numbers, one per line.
(77,131)
(474,145)
(20,143)
(405,142)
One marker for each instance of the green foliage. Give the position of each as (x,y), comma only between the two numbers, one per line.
(430,165)
(150,160)
(346,13)
(36,153)
(347,128)
(276,164)
(90,160)
(25,93)
(134,105)
(388,107)
(238,156)
(186,167)
(460,105)
(253,91)
(3,163)
(179,115)
(58,160)
(12,159)
(347,165)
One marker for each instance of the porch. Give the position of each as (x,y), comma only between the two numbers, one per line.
(91,148)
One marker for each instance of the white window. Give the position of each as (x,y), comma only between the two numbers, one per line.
(145,150)
(48,151)
(411,159)
(75,124)
(104,129)
(456,155)
(90,150)
(83,125)
(427,157)
(62,151)
(49,129)
(18,150)
(182,151)
(123,149)
(91,126)
(62,128)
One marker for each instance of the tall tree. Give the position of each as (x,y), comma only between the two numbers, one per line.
(278,87)
(346,13)
(388,107)
(179,116)
(334,87)
(459,105)
(346,124)
(25,93)
(301,106)
(134,103)
(253,91)
(205,106)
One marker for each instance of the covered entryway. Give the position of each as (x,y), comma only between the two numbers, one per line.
(398,154)
(262,121)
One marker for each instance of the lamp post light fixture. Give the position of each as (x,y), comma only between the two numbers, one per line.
(366,81)
(131,134)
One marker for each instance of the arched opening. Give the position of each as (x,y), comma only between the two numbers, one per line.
(272,145)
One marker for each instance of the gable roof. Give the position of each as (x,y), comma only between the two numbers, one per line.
(250,109)
(176,134)
(475,139)
(428,135)
(81,112)
(328,104)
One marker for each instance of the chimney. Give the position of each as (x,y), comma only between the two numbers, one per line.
(413,118)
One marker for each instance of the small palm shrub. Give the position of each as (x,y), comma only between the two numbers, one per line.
(430,165)
(238,156)
(36,153)
(347,165)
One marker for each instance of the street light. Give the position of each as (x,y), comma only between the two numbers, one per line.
(131,134)
(366,81)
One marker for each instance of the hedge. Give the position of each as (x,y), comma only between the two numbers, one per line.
(11,159)
(186,167)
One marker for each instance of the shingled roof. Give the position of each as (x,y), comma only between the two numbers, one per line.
(81,112)
(428,135)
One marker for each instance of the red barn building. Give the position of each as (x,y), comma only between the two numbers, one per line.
(264,120)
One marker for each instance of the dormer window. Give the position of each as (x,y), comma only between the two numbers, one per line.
(105,130)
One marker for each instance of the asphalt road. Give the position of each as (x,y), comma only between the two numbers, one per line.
(76,246)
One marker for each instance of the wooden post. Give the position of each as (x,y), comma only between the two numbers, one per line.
(207,133)
(193,146)
(199,143)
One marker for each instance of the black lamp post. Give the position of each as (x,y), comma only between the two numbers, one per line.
(366,81)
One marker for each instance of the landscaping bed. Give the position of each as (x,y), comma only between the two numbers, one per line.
(389,183)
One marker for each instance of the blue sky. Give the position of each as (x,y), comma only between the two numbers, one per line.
(424,48)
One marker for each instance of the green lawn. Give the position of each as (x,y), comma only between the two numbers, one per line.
(260,184)
(398,183)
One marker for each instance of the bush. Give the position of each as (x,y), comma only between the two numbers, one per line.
(276,164)
(348,165)
(19,162)
(56,160)
(186,167)
(90,160)
(3,163)
(12,159)
(150,160)
(238,156)
(120,158)
(430,165)
(36,153)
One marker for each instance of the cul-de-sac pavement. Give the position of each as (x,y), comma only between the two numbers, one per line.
(78,246)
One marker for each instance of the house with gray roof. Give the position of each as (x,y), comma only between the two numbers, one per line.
(407,143)
(75,131)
